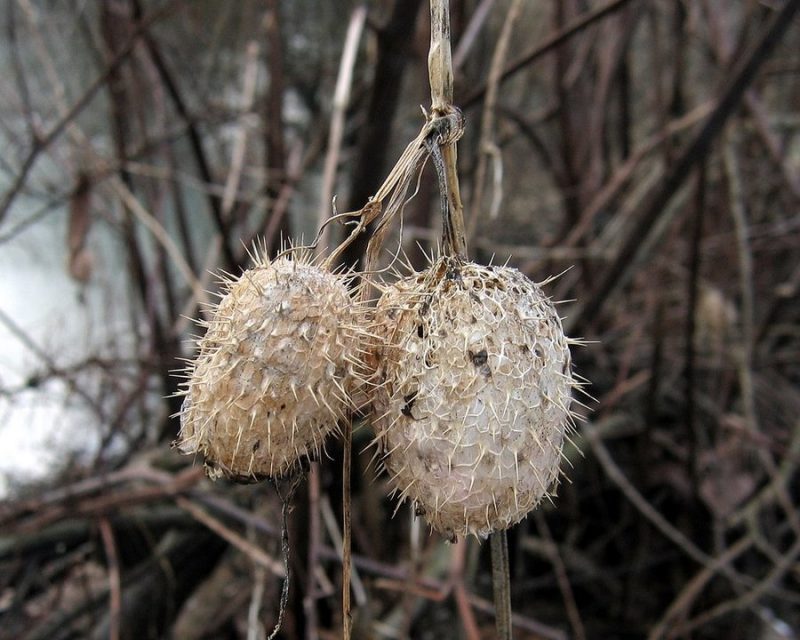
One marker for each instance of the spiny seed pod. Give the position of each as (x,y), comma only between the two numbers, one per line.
(269,383)
(472,402)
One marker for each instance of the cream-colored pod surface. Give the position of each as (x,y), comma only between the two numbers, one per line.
(269,382)
(472,402)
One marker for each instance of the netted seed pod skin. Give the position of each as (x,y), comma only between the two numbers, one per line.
(269,382)
(473,402)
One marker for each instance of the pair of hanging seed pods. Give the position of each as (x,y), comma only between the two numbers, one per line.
(466,371)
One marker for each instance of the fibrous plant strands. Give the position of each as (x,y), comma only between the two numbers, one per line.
(473,390)
(273,372)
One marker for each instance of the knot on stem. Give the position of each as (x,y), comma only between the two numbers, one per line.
(445,128)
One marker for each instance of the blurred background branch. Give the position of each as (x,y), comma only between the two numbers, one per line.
(647,151)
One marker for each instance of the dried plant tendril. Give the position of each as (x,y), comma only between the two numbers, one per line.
(473,389)
(270,380)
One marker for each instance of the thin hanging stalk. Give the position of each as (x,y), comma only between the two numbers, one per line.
(347,619)
(501,584)
(443,152)
(286,505)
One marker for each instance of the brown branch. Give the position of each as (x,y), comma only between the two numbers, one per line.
(567,595)
(278,185)
(104,504)
(569,30)
(43,142)
(113,577)
(690,335)
(341,97)
(236,540)
(393,43)
(621,270)
(195,141)
(487,145)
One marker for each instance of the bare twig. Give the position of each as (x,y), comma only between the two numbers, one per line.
(240,137)
(619,273)
(560,569)
(41,143)
(161,236)
(569,30)
(314,543)
(341,97)
(226,533)
(113,577)
(487,146)
(195,140)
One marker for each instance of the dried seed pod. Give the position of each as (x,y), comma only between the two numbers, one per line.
(473,397)
(269,383)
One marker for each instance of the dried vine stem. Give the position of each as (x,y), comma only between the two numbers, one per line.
(443,151)
(440,74)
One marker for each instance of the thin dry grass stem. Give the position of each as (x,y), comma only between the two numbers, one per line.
(745,359)
(44,140)
(567,594)
(487,144)
(226,533)
(437,129)
(329,519)
(114,580)
(440,73)
(255,630)
(161,236)
(682,604)
(467,40)
(240,135)
(341,97)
